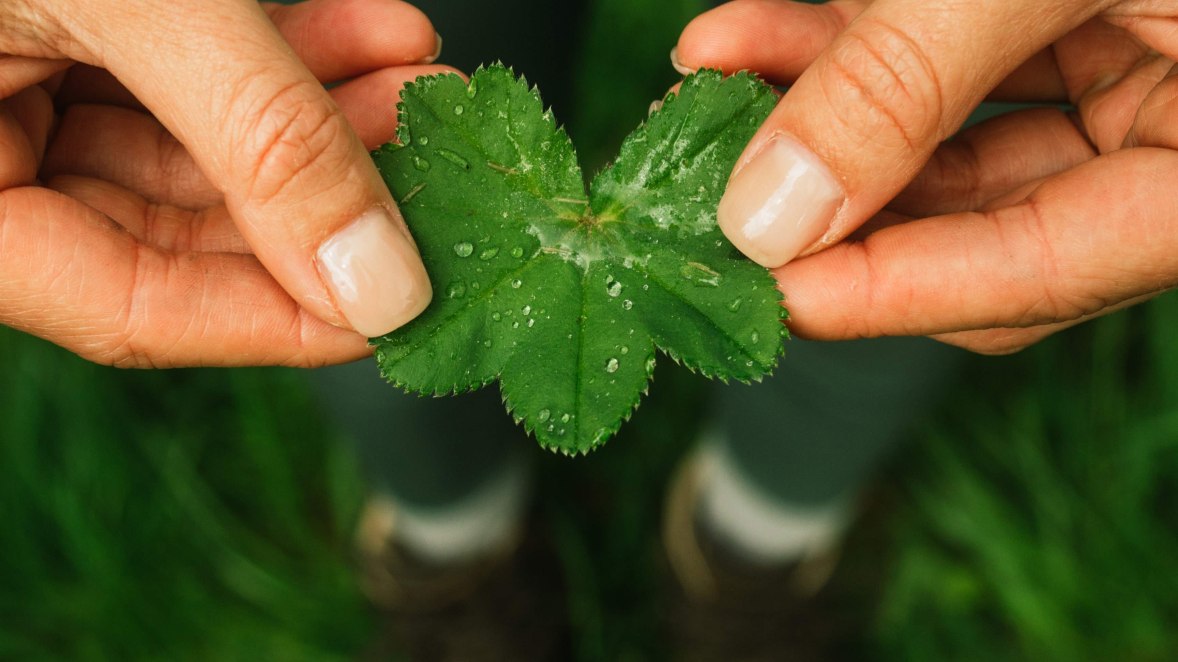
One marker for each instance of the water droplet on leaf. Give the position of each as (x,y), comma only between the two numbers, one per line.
(454,157)
(420,163)
(611,365)
(515,284)
(463,249)
(459,109)
(543,415)
(612,286)
(489,253)
(456,290)
(627,304)
(700,274)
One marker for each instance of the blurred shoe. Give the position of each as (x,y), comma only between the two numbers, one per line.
(448,595)
(729,607)
(395,577)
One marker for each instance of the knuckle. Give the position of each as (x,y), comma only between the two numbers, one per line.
(295,140)
(886,77)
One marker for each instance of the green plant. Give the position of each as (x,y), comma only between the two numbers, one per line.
(564,296)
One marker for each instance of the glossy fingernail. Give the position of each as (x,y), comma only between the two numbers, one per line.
(779,203)
(374,273)
(686,71)
(437,51)
(655,106)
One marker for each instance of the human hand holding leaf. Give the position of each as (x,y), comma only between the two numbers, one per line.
(564,297)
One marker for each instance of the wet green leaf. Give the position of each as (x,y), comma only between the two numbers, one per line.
(564,296)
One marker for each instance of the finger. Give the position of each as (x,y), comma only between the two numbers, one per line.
(1010,340)
(72,277)
(17,73)
(779,40)
(136,152)
(87,84)
(18,165)
(131,149)
(1154,125)
(295,177)
(991,158)
(1084,240)
(163,226)
(370,101)
(33,111)
(775,38)
(340,39)
(1002,341)
(859,124)
(336,40)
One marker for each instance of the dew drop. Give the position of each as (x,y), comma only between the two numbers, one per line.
(489,253)
(611,365)
(463,249)
(487,342)
(459,109)
(735,305)
(625,350)
(627,304)
(700,274)
(755,337)
(612,286)
(424,140)
(531,322)
(564,418)
(517,252)
(420,163)
(515,284)
(543,415)
(526,310)
(496,316)
(515,325)
(454,157)
(456,290)
(472,89)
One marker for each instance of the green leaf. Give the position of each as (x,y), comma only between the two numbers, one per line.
(562,296)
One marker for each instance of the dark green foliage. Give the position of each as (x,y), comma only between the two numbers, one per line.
(183,515)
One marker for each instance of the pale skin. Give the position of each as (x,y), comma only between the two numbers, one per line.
(1013,230)
(168,171)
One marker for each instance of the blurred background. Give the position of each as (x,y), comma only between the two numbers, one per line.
(209,514)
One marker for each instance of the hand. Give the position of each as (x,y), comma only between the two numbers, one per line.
(187,193)
(1016,228)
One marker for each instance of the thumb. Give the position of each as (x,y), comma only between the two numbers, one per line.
(863,119)
(296,179)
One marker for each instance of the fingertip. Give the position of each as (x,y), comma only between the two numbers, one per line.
(374,273)
(779,202)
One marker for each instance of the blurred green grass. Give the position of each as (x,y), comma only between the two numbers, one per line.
(207,514)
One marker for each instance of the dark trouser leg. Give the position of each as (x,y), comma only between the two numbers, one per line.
(810,434)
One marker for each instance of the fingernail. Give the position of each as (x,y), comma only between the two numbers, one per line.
(686,71)
(437,51)
(655,106)
(374,273)
(779,203)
